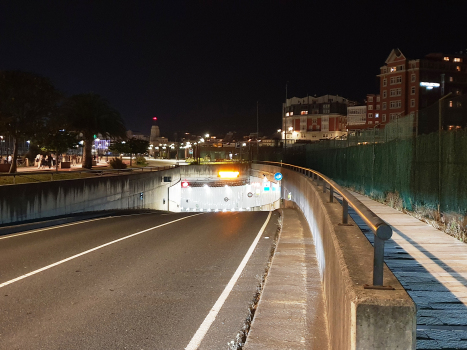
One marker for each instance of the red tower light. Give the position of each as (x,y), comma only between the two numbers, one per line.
(154,118)
(185,184)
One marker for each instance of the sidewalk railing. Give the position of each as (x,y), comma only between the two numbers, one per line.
(51,175)
(381,229)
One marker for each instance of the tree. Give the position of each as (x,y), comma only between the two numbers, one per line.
(58,142)
(57,137)
(89,114)
(131,146)
(26,102)
(137,146)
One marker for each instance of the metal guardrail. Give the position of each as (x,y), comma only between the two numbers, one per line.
(101,172)
(381,229)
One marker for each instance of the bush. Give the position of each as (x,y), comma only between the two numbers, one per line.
(117,163)
(140,160)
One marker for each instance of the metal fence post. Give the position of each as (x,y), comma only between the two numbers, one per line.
(345,211)
(324,186)
(378,262)
(331,194)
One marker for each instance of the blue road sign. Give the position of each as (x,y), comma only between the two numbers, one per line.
(278,176)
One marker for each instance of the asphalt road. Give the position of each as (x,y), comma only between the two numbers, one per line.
(151,290)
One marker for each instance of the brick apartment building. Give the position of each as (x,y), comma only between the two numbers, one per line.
(409,85)
(310,118)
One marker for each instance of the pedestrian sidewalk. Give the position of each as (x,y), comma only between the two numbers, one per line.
(432,267)
(291,312)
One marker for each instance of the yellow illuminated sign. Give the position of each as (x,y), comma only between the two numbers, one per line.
(228,174)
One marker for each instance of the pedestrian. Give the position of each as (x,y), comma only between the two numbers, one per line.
(9,159)
(39,161)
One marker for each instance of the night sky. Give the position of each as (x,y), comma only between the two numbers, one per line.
(201,66)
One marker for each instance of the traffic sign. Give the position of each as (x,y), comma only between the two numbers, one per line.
(278,176)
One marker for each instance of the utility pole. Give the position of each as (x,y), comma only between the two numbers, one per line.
(257,131)
(440,128)
(284,127)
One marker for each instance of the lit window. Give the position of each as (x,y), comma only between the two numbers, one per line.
(451,79)
(413,77)
(457,59)
(377,115)
(287,114)
(446,58)
(450,103)
(304,112)
(291,113)
(458,68)
(393,69)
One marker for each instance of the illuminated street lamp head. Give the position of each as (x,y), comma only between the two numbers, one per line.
(279,130)
(207,135)
(290,128)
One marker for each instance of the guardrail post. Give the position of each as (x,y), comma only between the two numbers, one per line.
(345,211)
(378,262)
(324,186)
(331,194)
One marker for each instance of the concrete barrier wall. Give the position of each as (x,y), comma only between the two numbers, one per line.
(205,172)
(47,199)
(358,318)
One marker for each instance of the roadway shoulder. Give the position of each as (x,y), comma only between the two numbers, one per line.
(291,312)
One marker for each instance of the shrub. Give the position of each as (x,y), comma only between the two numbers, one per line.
(140,160)
(117,163)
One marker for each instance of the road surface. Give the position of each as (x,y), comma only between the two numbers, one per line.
(142,281)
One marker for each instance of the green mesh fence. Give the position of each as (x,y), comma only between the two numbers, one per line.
(429,169)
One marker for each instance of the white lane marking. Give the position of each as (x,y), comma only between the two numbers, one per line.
(88,251)
(51,228)
(203,329)
(70,224)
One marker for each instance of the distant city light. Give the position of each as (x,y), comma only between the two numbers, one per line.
(429,86)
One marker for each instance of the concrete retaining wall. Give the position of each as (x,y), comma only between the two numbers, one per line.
(47,199)
(358,318)
(209,172)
